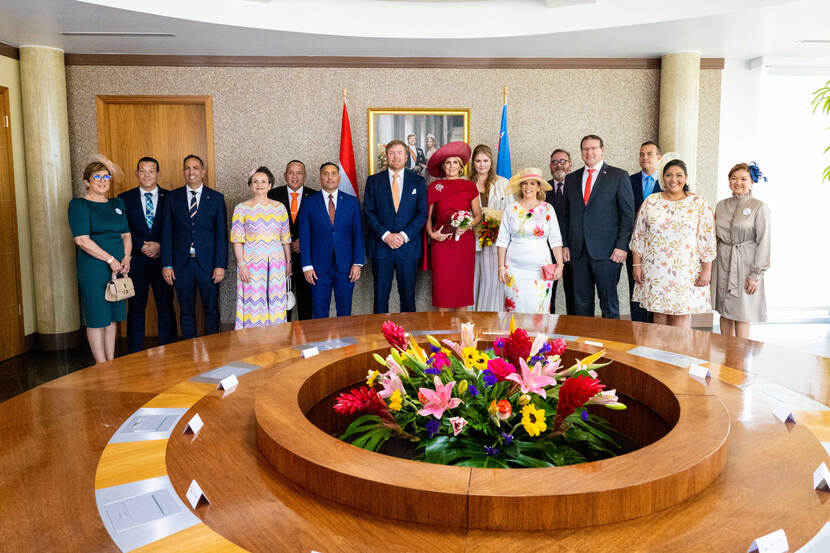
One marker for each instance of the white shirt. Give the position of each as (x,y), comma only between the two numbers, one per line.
(597,168)
(154,199)
(400,195)
(198,195)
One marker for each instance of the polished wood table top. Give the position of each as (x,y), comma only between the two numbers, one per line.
(60,453)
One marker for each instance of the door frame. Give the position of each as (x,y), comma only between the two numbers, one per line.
(5,98)
(101,102)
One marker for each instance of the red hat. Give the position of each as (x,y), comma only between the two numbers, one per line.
(453,149)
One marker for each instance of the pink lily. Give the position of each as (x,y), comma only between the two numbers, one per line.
(532,380)
(538,342)
(439,399)
(391,382)
(550,367)
(395,367)
(459,351)
(607,398)
(468,335)
(458,424)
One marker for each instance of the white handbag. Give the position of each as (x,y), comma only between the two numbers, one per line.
(290,300)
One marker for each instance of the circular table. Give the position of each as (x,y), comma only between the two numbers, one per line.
(85,454)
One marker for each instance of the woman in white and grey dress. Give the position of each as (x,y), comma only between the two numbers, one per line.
(488,290)
(742,227)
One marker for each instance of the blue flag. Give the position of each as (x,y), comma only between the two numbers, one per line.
(503,164)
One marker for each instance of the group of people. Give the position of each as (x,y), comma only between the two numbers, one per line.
(580,226)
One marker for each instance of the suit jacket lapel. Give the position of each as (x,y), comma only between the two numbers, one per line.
(596,184)
(325,205)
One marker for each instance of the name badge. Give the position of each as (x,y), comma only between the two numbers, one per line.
(118,210)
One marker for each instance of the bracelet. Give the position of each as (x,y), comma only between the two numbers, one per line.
(636,264)
(500,268)
(110,260)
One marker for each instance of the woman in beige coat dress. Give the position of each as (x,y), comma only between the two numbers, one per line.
(742,226)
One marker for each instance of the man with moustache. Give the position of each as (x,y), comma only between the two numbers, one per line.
(194,246)
(598,219)
(643,184)
(145,205)
(560,166)
(292,196)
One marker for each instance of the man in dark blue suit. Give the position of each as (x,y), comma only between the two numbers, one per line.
(194,246)
(331,234)
(560,166)
(599,219)
(146,205)
(395,204)
(643,184)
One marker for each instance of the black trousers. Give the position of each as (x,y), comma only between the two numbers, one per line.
(301,288)
(147,274)
(567,281)
(601,275)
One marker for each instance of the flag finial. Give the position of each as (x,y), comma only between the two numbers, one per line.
(344,94)
(505,95)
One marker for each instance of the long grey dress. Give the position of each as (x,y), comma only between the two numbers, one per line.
(489,291)
(742,227)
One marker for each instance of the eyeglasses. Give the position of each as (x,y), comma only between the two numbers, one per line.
(559,161)
(105,178)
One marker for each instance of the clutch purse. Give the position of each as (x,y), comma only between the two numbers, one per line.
(548,271)
(290,299)
(119,288)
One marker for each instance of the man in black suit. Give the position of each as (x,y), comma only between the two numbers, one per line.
(292,195)
(643,184)
(599,219)
(560,166)
(415,158)
(145,205)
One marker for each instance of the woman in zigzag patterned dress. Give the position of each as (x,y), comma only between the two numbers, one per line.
(261,243)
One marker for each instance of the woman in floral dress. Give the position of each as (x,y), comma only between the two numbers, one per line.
(528,232)
(261,240)
(673,247)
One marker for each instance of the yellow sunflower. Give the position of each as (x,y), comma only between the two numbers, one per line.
(475,359)
(371,376)
(533,420)
(395,401)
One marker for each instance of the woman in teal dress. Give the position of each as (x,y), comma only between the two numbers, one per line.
(99,225)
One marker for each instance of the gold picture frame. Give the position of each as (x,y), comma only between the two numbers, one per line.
(386,124)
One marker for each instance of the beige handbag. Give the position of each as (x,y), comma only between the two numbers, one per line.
(290,299)
(119,288)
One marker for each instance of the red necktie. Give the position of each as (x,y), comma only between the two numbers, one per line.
(588,185)
(331,210)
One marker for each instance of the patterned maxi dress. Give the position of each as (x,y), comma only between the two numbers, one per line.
(529,236)
(673,238)
(262,229)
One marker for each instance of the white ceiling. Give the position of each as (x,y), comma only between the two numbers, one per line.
(415,28)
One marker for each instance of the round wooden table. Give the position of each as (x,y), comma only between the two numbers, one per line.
(88,458)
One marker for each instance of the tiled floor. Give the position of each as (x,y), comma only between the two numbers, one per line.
(26,371)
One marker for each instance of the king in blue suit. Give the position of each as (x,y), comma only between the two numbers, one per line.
(145,206)
(643,184)
(395,231)
(331,234)
(194,247)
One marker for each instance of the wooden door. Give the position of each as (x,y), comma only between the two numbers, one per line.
(164,127)
(11,301)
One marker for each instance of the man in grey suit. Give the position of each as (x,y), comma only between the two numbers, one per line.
(598,218)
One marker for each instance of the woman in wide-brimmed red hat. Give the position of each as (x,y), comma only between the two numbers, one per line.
(454,209)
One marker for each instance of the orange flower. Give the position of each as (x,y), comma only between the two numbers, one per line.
(502,409)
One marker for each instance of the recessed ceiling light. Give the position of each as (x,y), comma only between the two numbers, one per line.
(116,33)
(815,41)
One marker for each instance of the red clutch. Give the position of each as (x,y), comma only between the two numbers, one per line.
(548,271)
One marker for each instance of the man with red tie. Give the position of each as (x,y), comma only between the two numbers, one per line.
(598,218)
(292,196)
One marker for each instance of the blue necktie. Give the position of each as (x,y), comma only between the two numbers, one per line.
(648,184)
(148,209)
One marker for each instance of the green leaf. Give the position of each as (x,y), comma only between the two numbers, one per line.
(360,425)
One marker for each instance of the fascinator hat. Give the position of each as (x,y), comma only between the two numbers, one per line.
(453,149)
(531,173)
(755,172)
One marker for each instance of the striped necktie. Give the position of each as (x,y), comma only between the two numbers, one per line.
(148,209)
(193,209)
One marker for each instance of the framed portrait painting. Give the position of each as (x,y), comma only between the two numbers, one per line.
(423,130)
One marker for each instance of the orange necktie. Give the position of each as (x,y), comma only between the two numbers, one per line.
(588,185)
(294,206)
(396,194)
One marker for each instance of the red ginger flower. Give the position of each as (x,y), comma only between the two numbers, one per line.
(361,399)
(573,394)
(394,334)
(516,346)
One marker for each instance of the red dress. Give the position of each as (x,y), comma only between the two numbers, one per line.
(453,262)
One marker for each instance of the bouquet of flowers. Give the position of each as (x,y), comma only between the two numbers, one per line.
(511,405)
(488,229)
(461,220)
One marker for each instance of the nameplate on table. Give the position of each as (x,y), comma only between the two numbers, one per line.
(195,495)
(771,543)
(592,343)
(821,478)
(327,345)
(783,413)
(310,352)
(229,383)
(194,425)
(699,371)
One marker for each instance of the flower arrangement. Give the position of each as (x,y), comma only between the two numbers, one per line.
(381,156)
(511,405)
(488,229)
(461,220)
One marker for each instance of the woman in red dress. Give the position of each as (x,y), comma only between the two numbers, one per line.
(452,251)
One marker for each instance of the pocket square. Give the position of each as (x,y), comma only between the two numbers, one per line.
(414,191)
